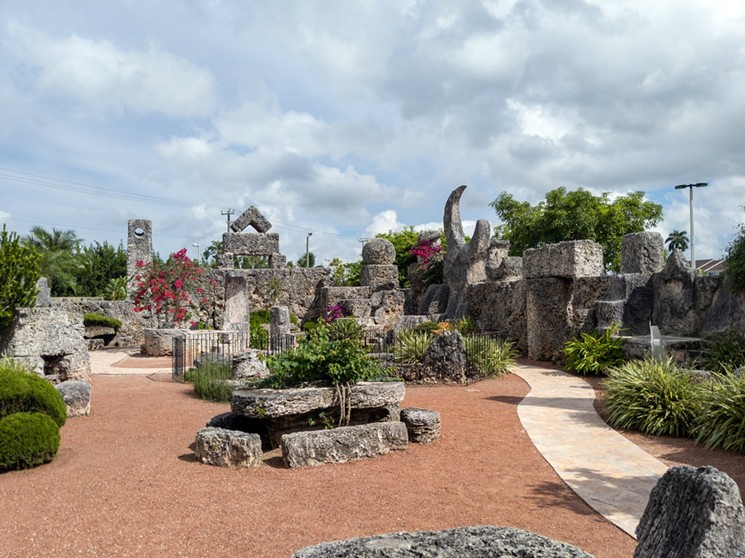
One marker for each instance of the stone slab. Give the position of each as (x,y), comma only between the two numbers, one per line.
(571,259)
(228,448)
(251,244)
(339,445)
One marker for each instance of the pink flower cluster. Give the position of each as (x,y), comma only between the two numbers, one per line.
(425,250)
(164,289)
(334,312)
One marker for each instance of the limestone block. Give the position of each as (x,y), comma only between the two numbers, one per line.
(608,312)
(247,366)
(571,259)
(252,217)
(237,307)
(272,403)
(692,512)
(509,268)
(379,276)
(462,542)
(228,448)
(550,321)
(159,342)
(378,251)
(44,294)
(99,331)
(445,360)
(435,300)
(77,397)
(251,244)
(642,252)
(279,321)
(422,425)
(339,445)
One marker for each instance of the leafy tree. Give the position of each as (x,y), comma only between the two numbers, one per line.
(96,266)
(345,274)
(58,250)
(19,272)
(403,242)
(310,263)
(677,240)
(209,256)
(574,215)
(734,262)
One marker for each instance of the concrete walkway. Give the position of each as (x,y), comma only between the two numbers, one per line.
(102,362)
(607,471)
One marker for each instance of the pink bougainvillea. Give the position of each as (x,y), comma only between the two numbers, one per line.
(164,288)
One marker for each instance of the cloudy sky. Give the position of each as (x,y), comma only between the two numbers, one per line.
(348,118)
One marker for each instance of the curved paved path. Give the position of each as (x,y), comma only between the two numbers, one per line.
(606,470)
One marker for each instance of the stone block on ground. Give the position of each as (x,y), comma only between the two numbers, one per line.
(463,542)
(339,445)
(77,397)
(692,513)
(422,425)
(248,366)
(228,448)
(159,342)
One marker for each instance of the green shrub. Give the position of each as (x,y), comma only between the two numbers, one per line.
(345,328)
(653,397)
(321,359)
(411,346)
(465,325)
(94,319)
(259,335)
(593,353)
(27,440)
(427,327)
(210,383)
(723,351)
(721,423)
(22,391)
(489,357)
(19,272)
(116,289)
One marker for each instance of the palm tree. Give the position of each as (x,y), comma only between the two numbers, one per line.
(58,249)
(678,240)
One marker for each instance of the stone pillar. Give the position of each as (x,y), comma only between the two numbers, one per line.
(279,327)
(378,270)
(237,293)
(642,253)
(139,248)
(550,272)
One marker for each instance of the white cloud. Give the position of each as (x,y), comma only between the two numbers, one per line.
(383,222)
(106,77)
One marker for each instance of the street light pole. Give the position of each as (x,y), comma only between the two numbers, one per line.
(690,203)
(307,250)
(199,256)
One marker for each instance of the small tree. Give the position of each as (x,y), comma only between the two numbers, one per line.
(734,263)
(19,272)
(165,288)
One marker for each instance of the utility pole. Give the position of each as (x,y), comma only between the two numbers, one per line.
(227,212)
(690,203)
(307,250)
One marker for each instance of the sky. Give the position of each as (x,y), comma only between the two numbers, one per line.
(349,118)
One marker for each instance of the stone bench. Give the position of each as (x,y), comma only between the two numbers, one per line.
(228,448)
(339,445)
(422,425)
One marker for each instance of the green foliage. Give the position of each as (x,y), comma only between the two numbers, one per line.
(259,334)
(27,440)
(653,397)
(96,266)
(403,242)
(489,357)
(116,289)
(275,287)
(19,272)
(734,262)
(310,263)
(723,351)
(593,353)
(411,346)
(94,319)
(345,274)
(575,215)
(428,327)
(465,326)
(58,250)
(321,359)
(345,328)
(22,391)
(677,240)
(210,381)
(721,424)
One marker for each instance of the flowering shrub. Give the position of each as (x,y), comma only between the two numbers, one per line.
(164,288)
(430,268)
(333,313)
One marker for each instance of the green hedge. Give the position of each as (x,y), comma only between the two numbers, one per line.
(27,440)
(27,392)
(94,319)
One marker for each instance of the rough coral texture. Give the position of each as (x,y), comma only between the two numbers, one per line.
(228,448)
